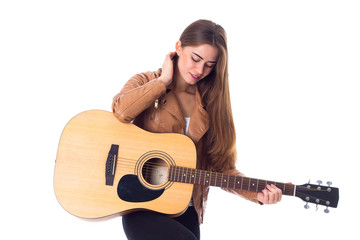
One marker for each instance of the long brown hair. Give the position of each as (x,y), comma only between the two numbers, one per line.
(221,138)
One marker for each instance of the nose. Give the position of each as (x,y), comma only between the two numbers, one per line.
(200,69)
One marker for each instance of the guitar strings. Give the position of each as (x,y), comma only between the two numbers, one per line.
(150,166)
(203,176)
(214,178)
(211,177)
(194,175)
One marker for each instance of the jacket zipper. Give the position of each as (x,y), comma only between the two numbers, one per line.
(156,106)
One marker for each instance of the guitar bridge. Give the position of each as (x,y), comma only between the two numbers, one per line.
(110,166)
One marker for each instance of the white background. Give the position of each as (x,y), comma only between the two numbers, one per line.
(294,72)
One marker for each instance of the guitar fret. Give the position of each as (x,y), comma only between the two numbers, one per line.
(251,185)
(192,176)
(174,171)
(182,174)
(199,178)
(171,174)
(262,184)
(227,180)
(287,191)
(186,175)
(240,183)
(234,179)
(178,175)
(189,175)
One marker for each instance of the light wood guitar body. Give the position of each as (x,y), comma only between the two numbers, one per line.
(79,180)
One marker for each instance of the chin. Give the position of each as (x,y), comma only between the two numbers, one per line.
(192,82)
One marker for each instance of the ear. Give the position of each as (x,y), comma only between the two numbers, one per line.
(178,48)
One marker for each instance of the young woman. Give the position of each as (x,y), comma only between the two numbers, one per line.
(189,95)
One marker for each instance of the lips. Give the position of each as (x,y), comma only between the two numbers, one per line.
(195,77)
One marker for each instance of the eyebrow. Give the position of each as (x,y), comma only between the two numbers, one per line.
(202,57)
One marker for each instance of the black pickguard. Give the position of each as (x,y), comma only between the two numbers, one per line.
(130,189)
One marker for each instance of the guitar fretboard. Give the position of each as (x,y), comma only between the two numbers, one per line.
(194,176)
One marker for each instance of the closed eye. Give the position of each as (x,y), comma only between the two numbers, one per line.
(210,66)
(195,60)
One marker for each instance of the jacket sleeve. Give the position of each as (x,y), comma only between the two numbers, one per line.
(252,196)
(137,95)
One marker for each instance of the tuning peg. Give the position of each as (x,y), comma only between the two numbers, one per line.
(327,210)
(317,204)
(306,206)
(329,183)
(319,182)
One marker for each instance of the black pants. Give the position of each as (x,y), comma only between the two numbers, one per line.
(151,225)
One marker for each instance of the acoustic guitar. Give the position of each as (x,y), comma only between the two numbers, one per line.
(104,167)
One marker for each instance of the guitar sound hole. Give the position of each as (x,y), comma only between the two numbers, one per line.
(155,171)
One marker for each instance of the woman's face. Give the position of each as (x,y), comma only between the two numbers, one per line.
(196,62)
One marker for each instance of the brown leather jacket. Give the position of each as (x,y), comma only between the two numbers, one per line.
(150,105)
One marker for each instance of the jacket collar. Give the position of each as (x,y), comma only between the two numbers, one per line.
(199,119)
(199,122)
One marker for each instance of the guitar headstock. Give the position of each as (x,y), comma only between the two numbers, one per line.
(318,194)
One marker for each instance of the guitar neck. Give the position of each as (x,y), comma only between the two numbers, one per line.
(201,177)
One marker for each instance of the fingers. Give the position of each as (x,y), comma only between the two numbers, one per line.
(275,194)
(168,69)
(172,55)
(270,195)
(169,57)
